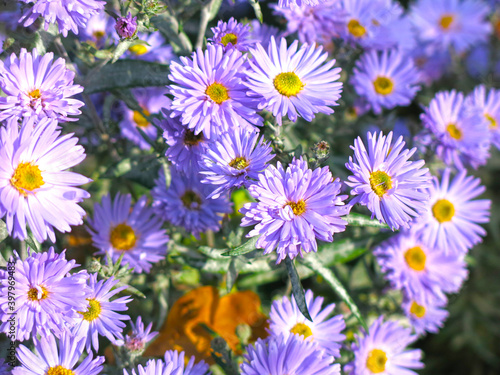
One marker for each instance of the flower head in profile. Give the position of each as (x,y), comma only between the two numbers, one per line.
(234,159)
(100,317)
(46,295)
(54,357)
(295,207)
(262,32)
(425,315)
(286,318)
(383,349)
(38,86)
(385,79)
(68,14)
(452,221)
(386,181)
(136,342)
(283,355)
(188,367)
(35,186)
(292,81)
(185,203)
(135,232)
(487,102)
(232,34)
(157,367)
(209,94)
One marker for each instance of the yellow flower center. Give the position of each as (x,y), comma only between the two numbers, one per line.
(138,49)
(122,237)
(98,34)
(355,28)
(27,177)
(415,258)
(288,84)
(417,310)
(190,197)
(192,139)
(302,329)
(454,132)
(380,182)
(491,120)
(239,163)
(94,310)
(59,370)
(383,85)
(443,210)
(298,207)
(229,38)
(217,92)
(140,120)
(35,94)
(33,294)
(446,21)
(376,361)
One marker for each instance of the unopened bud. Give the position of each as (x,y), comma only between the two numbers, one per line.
(126,26)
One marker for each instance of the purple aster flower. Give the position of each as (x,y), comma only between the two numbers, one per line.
(385,79)
(386,181)
(186,148)
(100,316)
(136,233)
(283,355)
(299,3)
(232,34)
(38,86)
(46,295)
(457,23)
(451,223)
(383,350)
(157,367)
(68,14)
(286,318)
(263,32)
(209,94)
(422,272)
(461,136)
(126,26)
(295,207)
(5,369)
(35,186)
(188,368)
(426,316)
(432,63)
(99,29)
(140,337)
(155,49)
(57,357)
(185,203)
(233,159)
(292,81)
(151,100)
(488,103)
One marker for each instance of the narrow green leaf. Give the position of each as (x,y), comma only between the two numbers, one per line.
(243,249)
(169,26)
(32,243)
(122,47)
(297,290)
(358,220)
(258,12)
(131,289)
(312,262)
(3,231)
(214,9)
(232,275)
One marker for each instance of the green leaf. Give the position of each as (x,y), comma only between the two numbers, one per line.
(126,74)
(297,290)
(358,220)
(32,243)
(169,26)
(214,9)
(232,275)
(312,262)
(3,231)
(122,47)
(243,249)
(258,12)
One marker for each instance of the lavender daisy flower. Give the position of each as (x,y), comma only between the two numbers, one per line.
(283,355)
(233,159)
(155,49)
(432,63)
(263,32)
(157,367)
(452,221)
(188,368)
(386,181)
(427,316)
(140,337)
(292,81)
(385,79)
(383,350)
(99,30)
(57,357)
(457,23)
(232,34)
(100,316)
(46,295)
(461,137)
(209,94)
(35,186)
(68,14)
(184,203)
(422,272)
(488,103)
(295,207)
(136,233)
(36,85)
(126,26)
(286,318)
